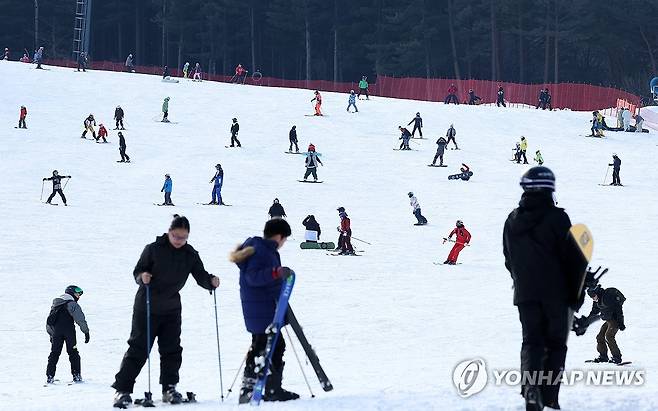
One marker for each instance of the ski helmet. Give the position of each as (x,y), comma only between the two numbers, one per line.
(167,175)
(459,223)
(311,147)
(592,291)
(410,194)
(72,290)
(55,172)
(351,91)
(614,154)
(341,209)
(218,165)
(537,179)
(418,114)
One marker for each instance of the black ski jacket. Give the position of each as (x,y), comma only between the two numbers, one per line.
(235,128)
(64,311)
(616,163)
(609,306)
(276,210)
(418,121)
(57,181)
(122,142)
(311,224)
(293,135)
(118,113)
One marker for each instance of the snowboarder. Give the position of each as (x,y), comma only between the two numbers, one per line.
(118,118)
(440,148)
(543,263)
(406,135)
(311,163)
(465,173)
(276,210)
(292,136)
(165,110)
(235,127)
(89,124)
(217,181)
(312,233)
(523,146)
(167,188)
(197,72)
(318,103)
(639,121)
(345,230)
(472,98)
(538,158)
(261,276)
(500,99)
(413,201)
(452,95)
(165,73)
(363,88)
(64,312)
(21,118)
(517,152)
(186,69)
(102,133)
(57,186)
(607,304)
(418,125)
(352,102)
(616,166)
(130,64)
(82,61)
(450,134)
(541,100)
(122,149)
(164,266)
(462,238)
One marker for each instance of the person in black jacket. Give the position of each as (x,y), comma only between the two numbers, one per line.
(118,117)
(418,125)
(59,325)
(616,166)
(57,186)
(440,148)
(472,98)
(500,98)
(292,136)
(82,61)
(163,266)
(122,149)
(276,210)
(234,133)
(608,306)
(546,267)
(313,231)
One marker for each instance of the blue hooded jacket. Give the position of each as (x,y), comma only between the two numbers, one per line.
(168,186)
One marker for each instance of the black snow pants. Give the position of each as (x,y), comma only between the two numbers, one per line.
(58,191)
(57,342)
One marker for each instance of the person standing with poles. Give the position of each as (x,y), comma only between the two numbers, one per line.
(122,149)
(162,270)
(345,229)
(351,102)
(363,88)
(318,103)
(616,166)
(57,186)
(463,237)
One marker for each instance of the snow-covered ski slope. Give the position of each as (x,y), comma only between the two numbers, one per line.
(389,326)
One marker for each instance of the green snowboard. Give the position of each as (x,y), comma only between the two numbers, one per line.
(308,245)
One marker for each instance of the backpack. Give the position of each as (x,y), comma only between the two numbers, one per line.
(619,297)
(52,317)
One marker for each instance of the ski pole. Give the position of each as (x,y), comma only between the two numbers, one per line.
(148,401)
(606,174)
(67,181)
(219,355)
(415,142)
(361,240)
(230,389)
(42,184)
(294,350)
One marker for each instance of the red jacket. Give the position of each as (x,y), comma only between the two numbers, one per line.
(23,112)
(345,224)
(239,70)
(452,89)
(463,236)
(317,98)
(102,132)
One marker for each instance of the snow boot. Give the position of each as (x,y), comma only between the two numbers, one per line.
(122,400)
(600,358)
(615,360)
(77,377)
(247,388)
(170,395)
(533,400)
(273,390)
(50,379)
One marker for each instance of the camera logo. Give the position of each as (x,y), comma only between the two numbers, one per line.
(470,377)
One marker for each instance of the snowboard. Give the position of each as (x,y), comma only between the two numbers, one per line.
(460,175)
(119,161)
(399,149)
(161,205)
(211,204)
(308,245)
(438,263)
(344,255)
(436,165)
(293,152)
(309,181)
(583,241)
(420,223)
(621,364)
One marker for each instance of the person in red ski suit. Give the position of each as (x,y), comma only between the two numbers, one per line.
(344,240)
(452,95)
(102,133)
(21,119)
(318,103)
(240,74)
(463,237)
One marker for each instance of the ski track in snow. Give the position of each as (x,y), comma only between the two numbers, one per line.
(388,327)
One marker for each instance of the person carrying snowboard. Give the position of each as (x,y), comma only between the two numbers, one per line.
(413,201)
(545,264)
(418,125)
(122,149)
(345,230)
(276,210)
(21,118)
(57,186)
(607,305)
(450,135)
(102,133)
(318,103)
(89,124)
(523,147)
(352,102)
(311,162)
(118,118)
(164,267)
(167,188)
(217,180)
(165,110)
(292,136)
(64,312)
(261,278)
(538,158)
(312,233)
(235,127)
(440,148)
(500,99)
(616,166)
(363,87)
(406,135)
(462,238)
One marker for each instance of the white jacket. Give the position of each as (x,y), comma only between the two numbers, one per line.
(413,201)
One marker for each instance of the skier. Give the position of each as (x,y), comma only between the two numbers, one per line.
(276,210)
(500,99)
(462,238)
(292,136)
(197,72)
(616,166)
(217,180)
(452,95)
(165,73)
(597,125)
(164,266)
(318,103)
(363,87)
(25,58)
(82,61)
(240,74)
(130,65)
(547,100)
(523,148)
(450,134)
(413,201)
(186,68)
(406,135)
(517,152)
(165,110)
(21,118)
(311,163)
(118,117)
(345,237)
(64,312)
(472,98)
(543,263)
(38,57)
(167,188)
(352,102)
(312,233)
(538,158)
(235,127)
(261,277)
(57,186)
(102,133)
(608,306)
(440,148)
(122,149)
(89,124)
(418,125)
(626,117)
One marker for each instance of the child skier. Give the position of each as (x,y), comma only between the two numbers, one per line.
(463,237)
(57,186)
(406,135)
(217,180)
(102,133)
(118,118)
(21,118)
(538,158)
(122,149)
(450,134)
(418,125)
(413,201)
(345,230)
(167,188)
(89,124)
(318,103)
(311,163)
(64,312)
(261,276)
(292,136)
(352,102)
(235,127)
(165,110)
(523,147)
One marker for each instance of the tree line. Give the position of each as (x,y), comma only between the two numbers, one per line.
(526,41)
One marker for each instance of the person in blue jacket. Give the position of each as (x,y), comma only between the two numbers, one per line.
(218,180)
(261,278)
(167,188)
(352,102)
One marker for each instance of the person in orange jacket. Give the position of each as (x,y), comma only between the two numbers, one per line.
(318,103)
(463,237)
(102,133)
(21,120)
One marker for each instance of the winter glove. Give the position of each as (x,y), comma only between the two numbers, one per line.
(622,327)
(44,179)
(282,272)
(87,337)
(579,325)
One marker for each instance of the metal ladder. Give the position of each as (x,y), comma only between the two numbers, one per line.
(81,27)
